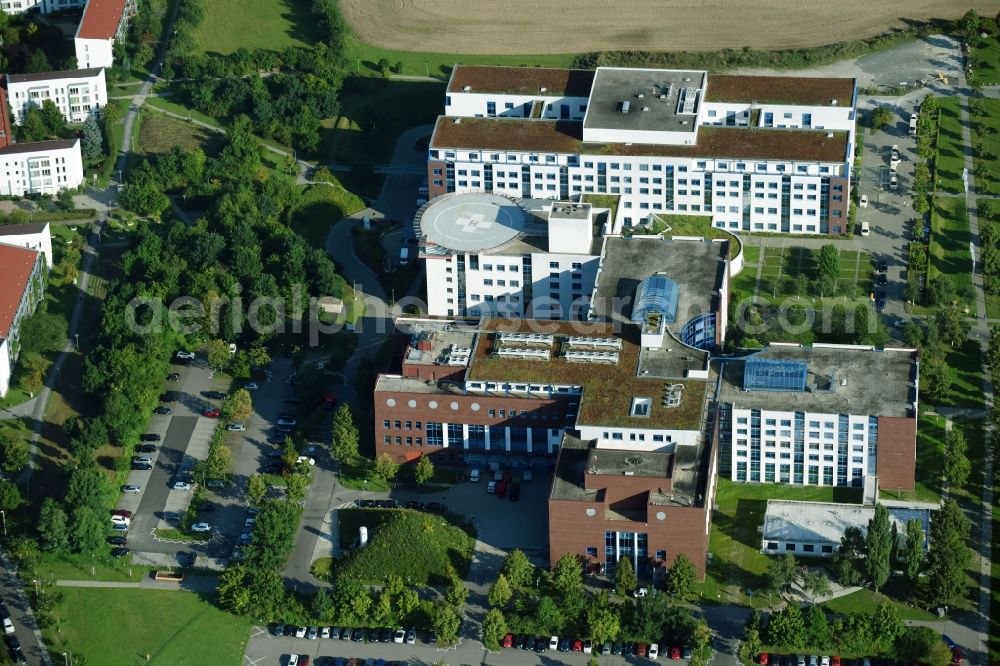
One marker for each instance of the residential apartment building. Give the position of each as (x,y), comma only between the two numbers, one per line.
(767,154)
(78,93)
(104,22)
(43,6)
(825,415)
(22,284)
(42,167)
(36,236)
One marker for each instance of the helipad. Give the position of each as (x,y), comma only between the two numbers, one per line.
(470,222)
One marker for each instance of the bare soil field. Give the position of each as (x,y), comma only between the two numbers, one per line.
(517,27)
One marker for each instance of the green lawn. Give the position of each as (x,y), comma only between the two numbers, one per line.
(950,160)
(782,266)
(75,567)
(950,236)
(158,133)
(736,562)
(966,376)
(319,207)
(180,109)
(866,601)
(356,475)
(124,627)
(265,24)
(363,59)
(986,130)
(743,284)
(986,62)
(420,547)
(690,225)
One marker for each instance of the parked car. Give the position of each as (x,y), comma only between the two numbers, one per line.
(508,641)
(142,459)
(675,653)
(894,158)
(120,519)
(413,504)
(119,527)
(882,266)
(564,644)
(185,355)
(654,651)
(181,485)
(214,395)
(640,649)
(864,201)
(149,437)
(313,633)
(141,467)
(287,420)
(491,486)
(212,413)
(115,540)
(411,636)
(501,488)
(119,552)
(305,459)
(474,475)
(163,411)
(174,377)
(358,635)
(893,182)
(236,427)
(251,386)
(515,492)
(577,645)
(146,448)
(204,527)
(606,648)
(588,646)
(131,489)
(122,512)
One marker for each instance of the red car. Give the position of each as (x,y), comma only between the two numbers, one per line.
(640,650)
(508,641)
(762,659)
(675,653)
(834,661)
(122,512)
(501,488)
(957,656)
(577,645)
(212,413)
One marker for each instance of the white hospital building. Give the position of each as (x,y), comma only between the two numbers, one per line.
(77,92)
(768,154)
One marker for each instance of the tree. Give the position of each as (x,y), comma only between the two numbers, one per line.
(256,489)
(549,617)
(14,453)
(53,532)
(517,568)
(781,572)
(913,550)
(92,139)
(10,496)
(32,127)
(787,629)
(701,644)
(38,61)
(322,605)
(238,405)
(881,116)
(445,622)
(55,121)
(87,529)
(457,593)
(816,583)
(233,593)
(500,592)
(494,629)
(345,434)
(886,626)
(956,459)
(295,487)
(681,577)
(949,553)
(625,579)
(218,352)
(828,263)
(219,463)
(952,325)
(817,627)
(602,621)
(878,548)
(751,644)
(568,574)
(922,645)
(385,468)
(423,470)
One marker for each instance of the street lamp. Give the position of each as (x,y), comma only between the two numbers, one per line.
(3,514)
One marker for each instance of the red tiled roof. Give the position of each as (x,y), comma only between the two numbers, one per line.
(16,264)
(101,19)
(521,80)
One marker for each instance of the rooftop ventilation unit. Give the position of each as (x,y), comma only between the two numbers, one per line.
(645,109)
(467,88)
(524,353)
(641,95)
(833,102)
(543,89)
(588,341)
(592,356)
(525,338)
(458,121)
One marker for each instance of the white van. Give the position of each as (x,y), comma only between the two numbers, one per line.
(474,475)
(865,229)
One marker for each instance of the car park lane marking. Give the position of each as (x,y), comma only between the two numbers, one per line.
(257,631)
(248,661)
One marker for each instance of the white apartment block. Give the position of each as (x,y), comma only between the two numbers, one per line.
(22,285)
(103,23)
(41,167)
(35,236)
(78,92)
(769,154)
(43,6)
(826,415)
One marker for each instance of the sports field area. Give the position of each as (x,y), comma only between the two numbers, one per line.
(577,26)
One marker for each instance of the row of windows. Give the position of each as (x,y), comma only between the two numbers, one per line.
(806,547)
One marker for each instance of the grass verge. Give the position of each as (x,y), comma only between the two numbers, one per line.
(950,159)
(866,601)
(159,627)
(950,236)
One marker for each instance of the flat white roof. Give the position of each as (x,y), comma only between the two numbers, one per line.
(825,522)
